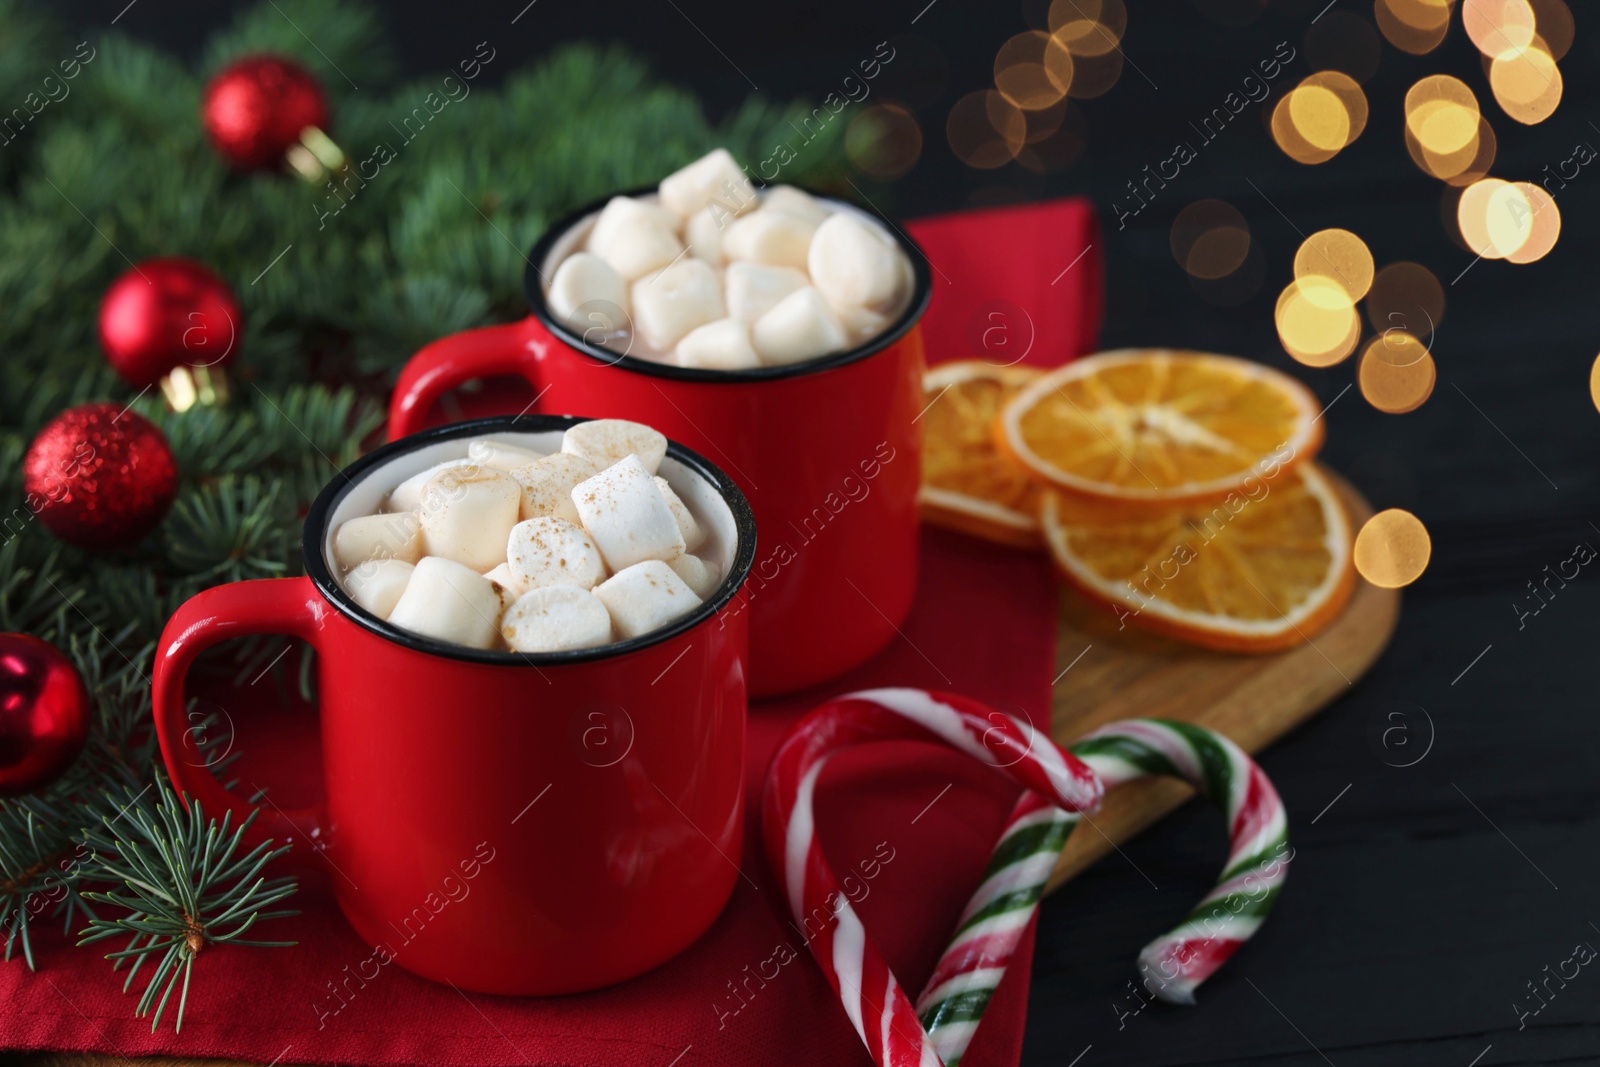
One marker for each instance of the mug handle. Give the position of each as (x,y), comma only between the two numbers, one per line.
(450,362)
(289,606)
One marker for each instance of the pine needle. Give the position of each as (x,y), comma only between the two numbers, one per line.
(182,888)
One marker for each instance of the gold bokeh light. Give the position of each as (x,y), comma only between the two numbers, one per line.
(1290,140)
(1033,70)
(1317,321)
(1472,215)
(1055,139)
(1415,26)
(1337,256)
(1392,549)
(1442,114)
(1088,27)
(1094,76)
(1508,220)
(1043,123)
(1405,296)
(1496,25)
(1319,117)
(1348,90)
(1594,382)
(1544,225)
(884,140)
(985,130)
(1553,21)
(1526,82)
(1210,239)
(1396,372)
(1062,12)
(1462,167)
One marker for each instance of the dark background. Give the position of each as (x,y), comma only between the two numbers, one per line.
(1427,897)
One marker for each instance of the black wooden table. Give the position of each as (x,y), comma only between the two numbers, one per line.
(1439,880)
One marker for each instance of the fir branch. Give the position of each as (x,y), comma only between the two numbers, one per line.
(349,39)
(28,47)
(183,885)
(113,666)
(40,868)
(229,530)
(33,580)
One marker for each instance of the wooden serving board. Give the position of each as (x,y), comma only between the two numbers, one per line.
(1253,700)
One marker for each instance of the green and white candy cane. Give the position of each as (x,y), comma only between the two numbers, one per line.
(1172,965)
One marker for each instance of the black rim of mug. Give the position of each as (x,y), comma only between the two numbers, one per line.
(533,287)
(314,538)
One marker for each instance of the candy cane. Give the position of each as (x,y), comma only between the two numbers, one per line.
(1174,964)
(877,1006)
(966,976)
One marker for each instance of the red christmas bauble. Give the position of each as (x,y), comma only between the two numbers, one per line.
(99,476)
(255,108)
(166,313)
(44,714)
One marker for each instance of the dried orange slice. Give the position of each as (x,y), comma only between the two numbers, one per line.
(1160,426)
(967,484)
(1251,573)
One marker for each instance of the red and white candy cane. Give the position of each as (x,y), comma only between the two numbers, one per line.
(878,1007)
(1172,965)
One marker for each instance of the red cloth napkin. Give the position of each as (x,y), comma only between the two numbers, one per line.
(914,823)
(1020,284)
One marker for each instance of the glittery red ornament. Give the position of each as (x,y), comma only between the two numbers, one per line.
(167,313)
(44,714)
(99,476)
(256,108)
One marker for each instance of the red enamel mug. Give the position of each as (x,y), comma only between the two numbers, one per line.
(829,453)
(512,823)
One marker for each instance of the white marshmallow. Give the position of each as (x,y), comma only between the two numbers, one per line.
(645,597)
(860,324)
(626,515)
(449,602)
(671,302)
(377,584)
(407,496)
(622,213)
(505,584)
(772,237)
(864,323)
(714,178)
(637,251)
(634,237)
(543,551)
(688,525)
(585,278)
(855,264)
(554,619)
(721,345)
(606,441)
(395,535)
(700,575)
(795,202)
(547,485)
(467,513)
(499,455)
(704,233)
(800,327)
(754,289)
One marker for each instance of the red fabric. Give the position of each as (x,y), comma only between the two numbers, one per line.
(747,992)
(1019,284)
